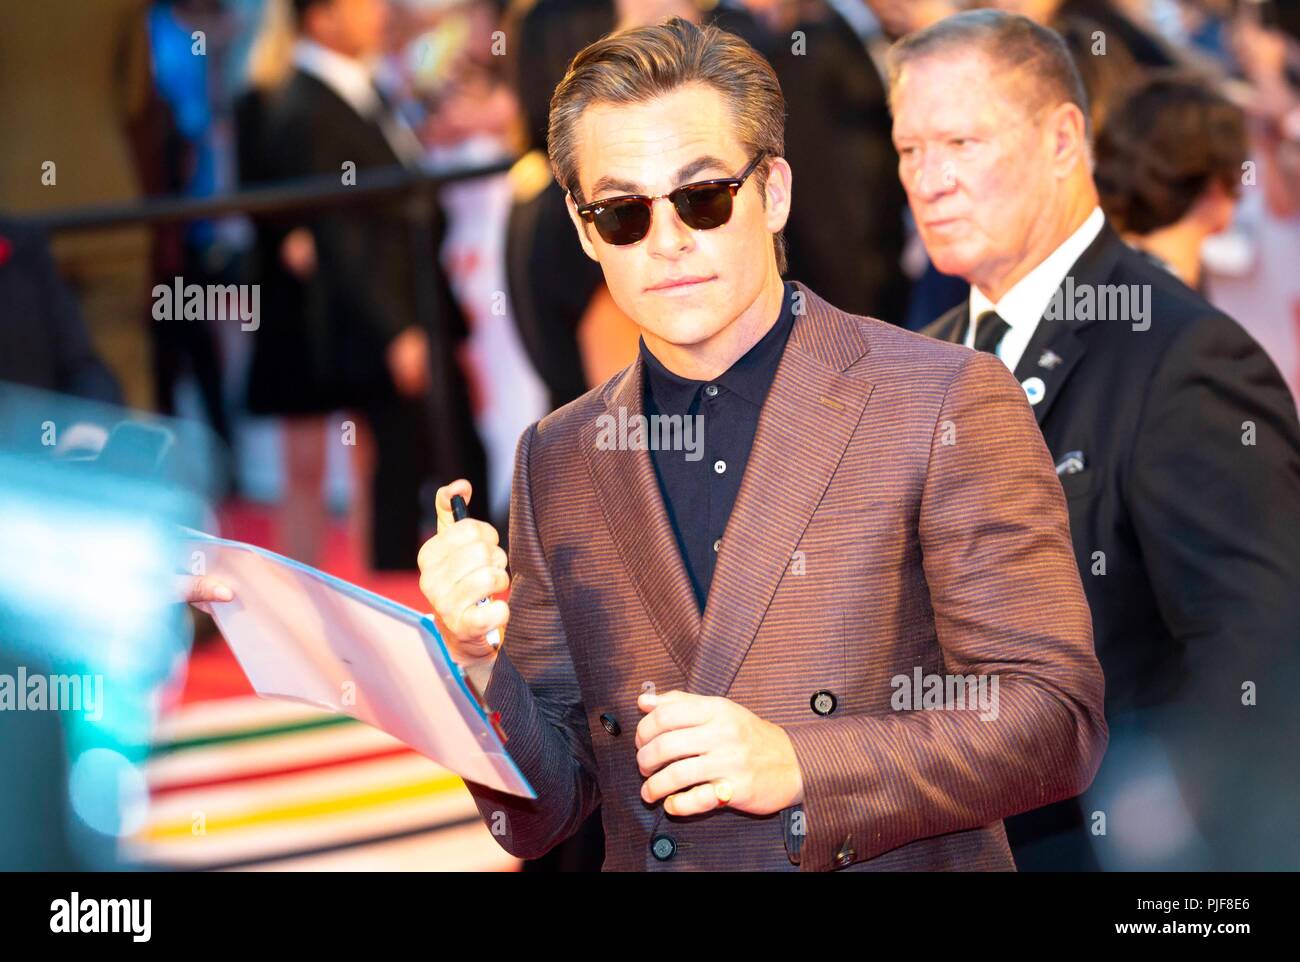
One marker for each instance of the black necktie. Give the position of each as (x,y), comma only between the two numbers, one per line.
(989,331)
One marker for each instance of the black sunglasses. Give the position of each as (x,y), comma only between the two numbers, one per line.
(703,205)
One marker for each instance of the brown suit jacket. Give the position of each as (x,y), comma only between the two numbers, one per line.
(899,510)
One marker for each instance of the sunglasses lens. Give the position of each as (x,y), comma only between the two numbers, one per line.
(623,222)
(704,207)
(627,220)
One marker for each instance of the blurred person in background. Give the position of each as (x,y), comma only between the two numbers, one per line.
(1251,269)
(1174,436)
(835,92)
(74,83)
(1269,57)
(1169,166)
(187,165)
(1115,18)
(356,333)
(283,262)
(444,56)
(900,17)
(930,293)
(43,338)
(1109,73)
(557,294)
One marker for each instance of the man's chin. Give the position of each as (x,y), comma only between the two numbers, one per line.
(687,328)
(952,262)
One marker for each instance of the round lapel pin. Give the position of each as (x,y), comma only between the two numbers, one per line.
(1034,389)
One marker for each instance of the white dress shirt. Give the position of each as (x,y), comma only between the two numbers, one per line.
(1023,306)
(354,82)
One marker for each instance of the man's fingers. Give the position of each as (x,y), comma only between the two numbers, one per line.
(194,589)
(441,582)
(475,622)
(452,542)
(678,777)
(442,501)
(480,583)
(681,710)
(472,531)
(693,801)
(669,747)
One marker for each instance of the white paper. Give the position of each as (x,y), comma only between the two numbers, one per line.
(303,635)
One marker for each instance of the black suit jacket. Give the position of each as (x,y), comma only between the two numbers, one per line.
(845,232)
(325,349)
(1185,520)
(44,342)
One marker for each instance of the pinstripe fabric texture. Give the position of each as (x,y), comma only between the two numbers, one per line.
(899,510)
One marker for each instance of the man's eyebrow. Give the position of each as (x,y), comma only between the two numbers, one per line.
(682,176)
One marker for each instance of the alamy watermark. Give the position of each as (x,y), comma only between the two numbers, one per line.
(24,692)
(209,302)
(1101,302)
(922,692)
(76,915)
(654,432)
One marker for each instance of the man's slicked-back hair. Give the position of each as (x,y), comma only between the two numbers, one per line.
(640,64)
(1014,44)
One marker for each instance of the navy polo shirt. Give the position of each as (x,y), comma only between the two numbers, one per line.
(699,495)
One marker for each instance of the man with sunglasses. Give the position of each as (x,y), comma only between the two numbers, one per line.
(735,655)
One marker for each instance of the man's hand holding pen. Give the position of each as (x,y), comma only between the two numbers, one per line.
(460,565)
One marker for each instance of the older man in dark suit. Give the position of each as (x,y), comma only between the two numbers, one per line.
(1175,441)
(745,639)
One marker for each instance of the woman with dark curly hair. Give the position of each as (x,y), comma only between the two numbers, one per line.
(1170,161)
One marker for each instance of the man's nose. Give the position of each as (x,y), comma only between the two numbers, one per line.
(934,176)
(668,235)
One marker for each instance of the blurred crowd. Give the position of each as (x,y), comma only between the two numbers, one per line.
(420,332)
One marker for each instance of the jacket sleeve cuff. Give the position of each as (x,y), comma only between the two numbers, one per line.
(821,834)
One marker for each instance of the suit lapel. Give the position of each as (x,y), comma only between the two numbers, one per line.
(810,413)
(1058,343)
(628,494)
(952,325)
(1051,356)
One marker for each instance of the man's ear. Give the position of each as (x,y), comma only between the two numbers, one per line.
(1068,130)
(580,226)
(778,190)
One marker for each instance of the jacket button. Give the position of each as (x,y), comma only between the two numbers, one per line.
(845,855)
(663,847)
(610,723)
(823,702)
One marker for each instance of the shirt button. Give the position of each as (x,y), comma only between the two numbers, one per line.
(711,390)
(717,544)
(719,466)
